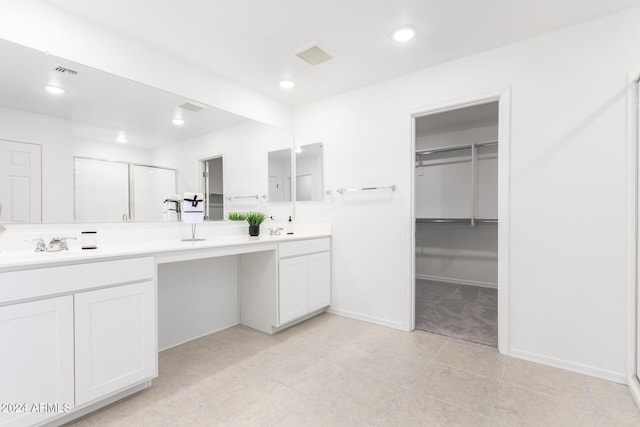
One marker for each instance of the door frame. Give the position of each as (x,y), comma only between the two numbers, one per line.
(633,217)
(201,185)
(503,97)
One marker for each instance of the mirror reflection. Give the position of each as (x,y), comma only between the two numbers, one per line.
(309,172)
(78,144)
(279,176)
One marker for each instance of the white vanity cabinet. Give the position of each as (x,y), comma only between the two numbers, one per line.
(292,289)
(304,282)
(60,352)
(114,339)
(319,281)
(36,360)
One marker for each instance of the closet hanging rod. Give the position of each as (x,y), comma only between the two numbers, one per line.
(456,220)
(350,190)
(428,151)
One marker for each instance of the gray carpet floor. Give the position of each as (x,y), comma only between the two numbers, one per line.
(465,312)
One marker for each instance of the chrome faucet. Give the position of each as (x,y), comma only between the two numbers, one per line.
(59,244)
(275,232)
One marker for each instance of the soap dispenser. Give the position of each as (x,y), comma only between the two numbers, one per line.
(289,226)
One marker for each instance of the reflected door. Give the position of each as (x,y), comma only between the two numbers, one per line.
(20,182)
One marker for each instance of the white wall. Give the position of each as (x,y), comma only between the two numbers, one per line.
(196,298)
(568,184)
(41,26)
(115,152)
(458,253)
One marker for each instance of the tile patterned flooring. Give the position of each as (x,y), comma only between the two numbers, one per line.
(334,371)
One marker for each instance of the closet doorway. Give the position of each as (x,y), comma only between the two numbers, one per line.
(457,156)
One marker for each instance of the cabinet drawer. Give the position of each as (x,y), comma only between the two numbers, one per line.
(36,283)
(302,247)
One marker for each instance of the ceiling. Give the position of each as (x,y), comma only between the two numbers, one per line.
(252,42)
(100,105)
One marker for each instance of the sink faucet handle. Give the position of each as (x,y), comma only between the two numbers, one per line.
(275,232)
(40,246)
(62,241)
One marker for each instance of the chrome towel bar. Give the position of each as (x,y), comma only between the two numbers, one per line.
(351,190)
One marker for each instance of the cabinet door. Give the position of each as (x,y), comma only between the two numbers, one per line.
(292,289)
(319,281)
(36,360)
(115,339)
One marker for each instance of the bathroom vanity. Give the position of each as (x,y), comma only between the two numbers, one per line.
(81,327)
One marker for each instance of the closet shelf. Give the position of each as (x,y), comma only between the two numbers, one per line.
(457,220)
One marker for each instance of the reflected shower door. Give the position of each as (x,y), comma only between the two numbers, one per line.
(101,191)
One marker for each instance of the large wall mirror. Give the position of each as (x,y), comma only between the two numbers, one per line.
(280,176)
(79,144)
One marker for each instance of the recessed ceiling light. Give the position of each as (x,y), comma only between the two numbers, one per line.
(54,89)
(287,84)
(403,34)
(178,121)
(122,138)
(298,150)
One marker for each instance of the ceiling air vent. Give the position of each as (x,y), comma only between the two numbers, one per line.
(192,106)
(313,55)
(67,71)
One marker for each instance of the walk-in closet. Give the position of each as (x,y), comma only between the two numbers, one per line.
(456,211)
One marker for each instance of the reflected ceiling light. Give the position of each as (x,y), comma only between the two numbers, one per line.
(287,84)
(298,150)
(122,138)
(403,34)
(54,89)
(178,121)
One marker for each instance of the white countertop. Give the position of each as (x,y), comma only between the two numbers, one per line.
(11,260)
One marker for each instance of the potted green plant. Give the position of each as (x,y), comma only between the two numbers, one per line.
(254,219)
(236,216)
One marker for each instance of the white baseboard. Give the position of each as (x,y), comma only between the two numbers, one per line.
(457,281)
(213,331)
(366,318)
(617,377)
(634,388)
